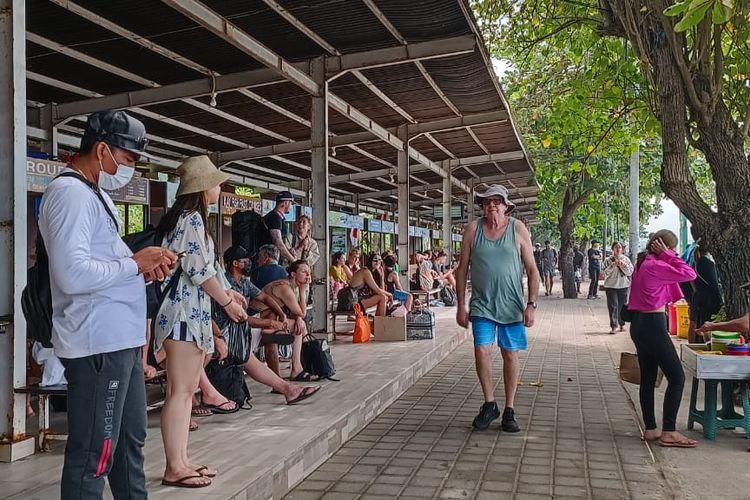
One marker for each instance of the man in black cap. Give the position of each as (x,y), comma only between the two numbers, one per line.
(99,310)
(275,223)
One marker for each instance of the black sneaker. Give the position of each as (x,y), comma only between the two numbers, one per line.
(487,413)
(509,421)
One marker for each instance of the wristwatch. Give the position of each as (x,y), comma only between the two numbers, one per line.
(532,304)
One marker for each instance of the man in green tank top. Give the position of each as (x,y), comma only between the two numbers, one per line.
(497,248)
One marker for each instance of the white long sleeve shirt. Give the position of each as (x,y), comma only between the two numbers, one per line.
(98,297)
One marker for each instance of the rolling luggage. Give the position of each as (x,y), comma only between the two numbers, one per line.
(420,324)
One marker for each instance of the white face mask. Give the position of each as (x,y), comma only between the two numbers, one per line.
(113,182)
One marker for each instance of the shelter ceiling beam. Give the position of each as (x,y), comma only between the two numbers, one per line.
(240,80)
(230,33)
(363,137)
(530,190)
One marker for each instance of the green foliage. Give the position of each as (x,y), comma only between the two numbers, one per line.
(695,11)
(575,99)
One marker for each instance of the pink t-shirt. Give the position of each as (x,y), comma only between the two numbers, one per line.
(655,282)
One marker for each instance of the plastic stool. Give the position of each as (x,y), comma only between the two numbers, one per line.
(713,419)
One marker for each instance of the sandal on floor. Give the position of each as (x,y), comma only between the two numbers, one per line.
(180,483)
(220,408)
(302,377)
(278,338)
(201,411)
(306,393)
(202,468)
(682,443)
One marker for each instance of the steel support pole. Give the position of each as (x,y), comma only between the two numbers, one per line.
(634,221)
(403,208)
(447,218)
(319,188)
(13,254)
(470,203)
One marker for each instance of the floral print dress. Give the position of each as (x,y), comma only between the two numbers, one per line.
(190,304)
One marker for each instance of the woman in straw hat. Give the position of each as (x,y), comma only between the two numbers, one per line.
(183,324)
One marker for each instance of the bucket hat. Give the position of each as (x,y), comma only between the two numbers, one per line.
(496,190)
(198,174)
(118,129)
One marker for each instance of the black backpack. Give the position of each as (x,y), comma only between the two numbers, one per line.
(36,298)
(229,380)
(316,358)
(249,230)
(448,296)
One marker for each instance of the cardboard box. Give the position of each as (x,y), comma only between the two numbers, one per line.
(390,329)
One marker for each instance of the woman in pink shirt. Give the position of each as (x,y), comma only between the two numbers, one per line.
(655,284)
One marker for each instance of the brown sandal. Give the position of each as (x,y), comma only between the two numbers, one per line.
(180,483)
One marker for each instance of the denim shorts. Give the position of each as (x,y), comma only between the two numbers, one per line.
(510,337)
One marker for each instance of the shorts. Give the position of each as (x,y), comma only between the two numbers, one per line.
(510,337)
(548,271)
(180,332)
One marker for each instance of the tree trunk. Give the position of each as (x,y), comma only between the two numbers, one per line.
(566,259)
(566,226)
(724,233)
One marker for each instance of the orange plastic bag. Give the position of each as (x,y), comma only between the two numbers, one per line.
(362,327)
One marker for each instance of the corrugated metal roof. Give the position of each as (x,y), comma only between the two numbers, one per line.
(348,25)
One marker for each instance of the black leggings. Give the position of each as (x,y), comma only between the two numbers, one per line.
(655,350)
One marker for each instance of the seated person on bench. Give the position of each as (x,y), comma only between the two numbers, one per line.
(291,294)
(369,293)
(393,285)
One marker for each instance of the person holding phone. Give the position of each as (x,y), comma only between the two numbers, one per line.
(617,272)
(183,323)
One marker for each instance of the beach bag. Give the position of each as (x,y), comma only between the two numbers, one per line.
(362,327)
(630,369)
(420,324)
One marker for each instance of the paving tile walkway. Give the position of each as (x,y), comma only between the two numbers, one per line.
(579,435)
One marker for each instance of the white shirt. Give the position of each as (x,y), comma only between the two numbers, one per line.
(98,298)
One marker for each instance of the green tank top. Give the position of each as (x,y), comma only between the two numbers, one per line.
(496,276)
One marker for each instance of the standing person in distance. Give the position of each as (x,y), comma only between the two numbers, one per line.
(497,248)
(578,267)
(549,264)
(99,310)
(301,243)
(274,221)
(595,267)
(183,323)
(617,272)
(656,279)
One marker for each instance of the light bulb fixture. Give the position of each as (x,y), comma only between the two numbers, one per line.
(391,178)
(333,151)
(212,102)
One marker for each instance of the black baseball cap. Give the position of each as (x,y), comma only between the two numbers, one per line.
(118,129)
(235,252)
(284,196)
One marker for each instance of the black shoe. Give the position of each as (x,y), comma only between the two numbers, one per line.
(509,421)
(487,413)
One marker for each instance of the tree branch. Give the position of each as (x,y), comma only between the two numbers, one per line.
(687,79)
(718,67)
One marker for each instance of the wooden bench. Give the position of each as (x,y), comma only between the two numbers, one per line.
(44,393)
(427,294)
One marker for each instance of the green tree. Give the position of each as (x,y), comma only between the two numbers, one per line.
(682,74)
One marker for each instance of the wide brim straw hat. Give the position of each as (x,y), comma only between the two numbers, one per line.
(198,174)
(496,190)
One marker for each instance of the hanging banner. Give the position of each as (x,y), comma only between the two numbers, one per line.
(458,237)
(338,240)
(39,173)
(375,226)
(349,221)
(231,203)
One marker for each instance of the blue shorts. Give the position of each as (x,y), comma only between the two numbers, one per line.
(510,337)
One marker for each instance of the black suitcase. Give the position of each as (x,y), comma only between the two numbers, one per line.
(420,324)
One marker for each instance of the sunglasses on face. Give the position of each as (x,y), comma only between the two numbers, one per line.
(493,201)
